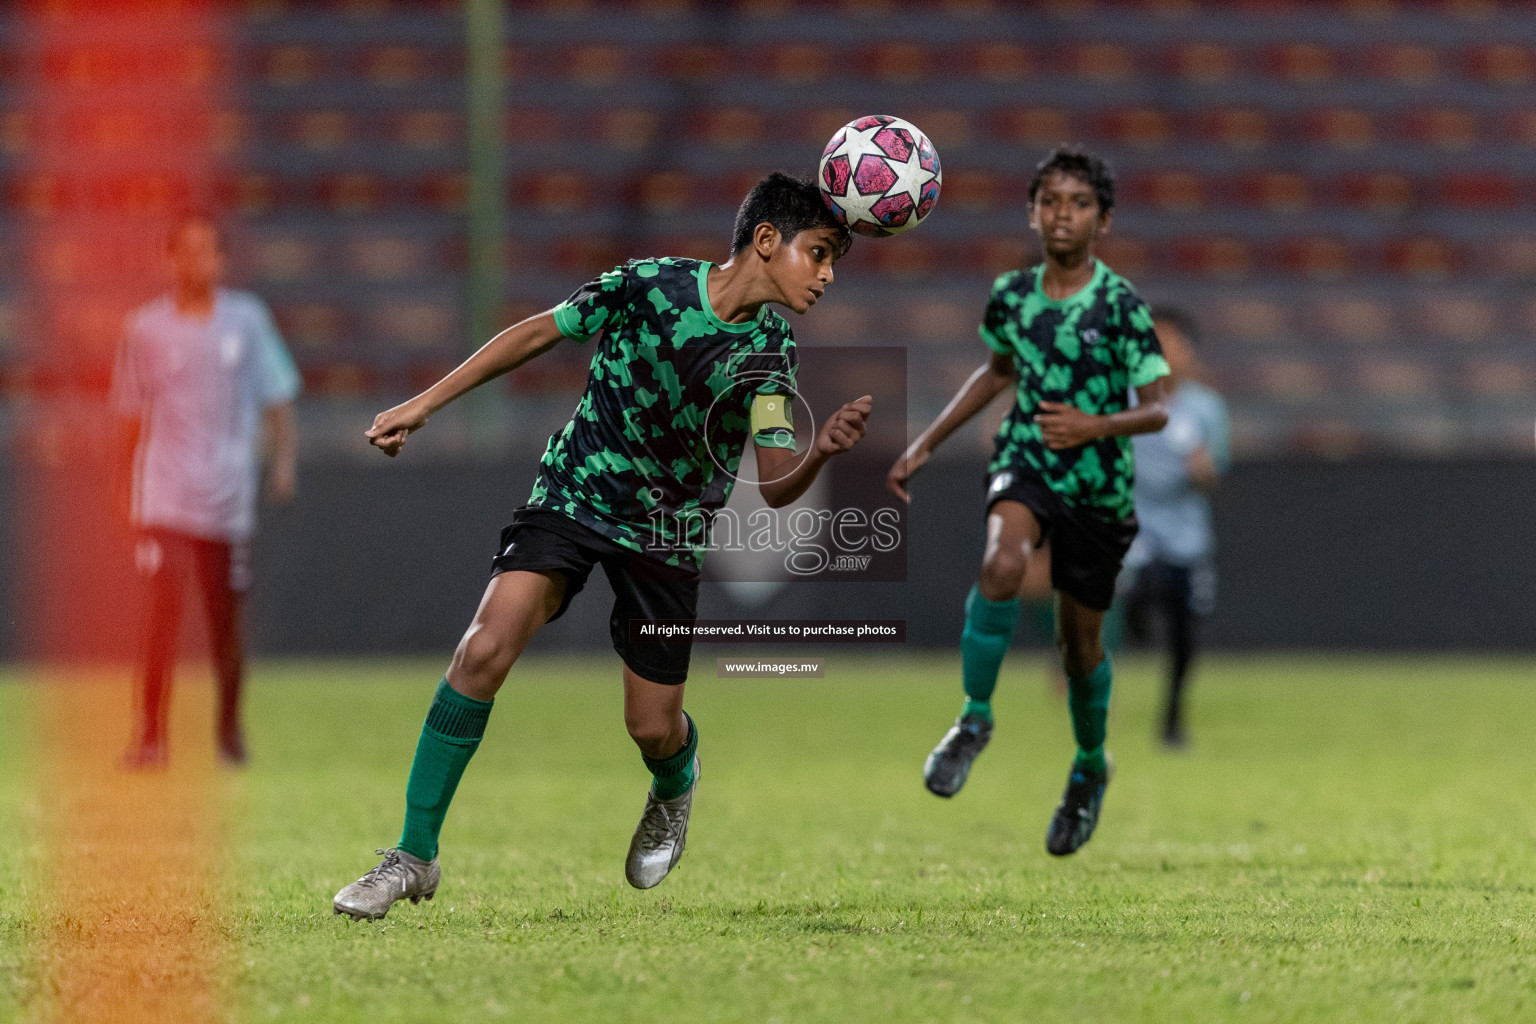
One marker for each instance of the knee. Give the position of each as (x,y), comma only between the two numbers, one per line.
(652,733)
(1002,573)
(1080,654)
(484,656)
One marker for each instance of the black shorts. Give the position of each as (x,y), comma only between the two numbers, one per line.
(645,588)
(1086,550)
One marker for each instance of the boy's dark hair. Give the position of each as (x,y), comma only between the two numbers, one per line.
(186,219)
(1181,319)
(791,205)
(1081,164)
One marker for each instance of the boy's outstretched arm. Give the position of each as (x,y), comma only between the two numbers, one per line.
(974,395)
(507,351)
(1066,426)
(780,484)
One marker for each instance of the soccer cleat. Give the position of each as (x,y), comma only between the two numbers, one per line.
(145,757)
(949,765)
(232,750)
(1078,813)
(398,876)
(660,837)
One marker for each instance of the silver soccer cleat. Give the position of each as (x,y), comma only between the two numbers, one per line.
(660,837)
(398,876)
(949,765)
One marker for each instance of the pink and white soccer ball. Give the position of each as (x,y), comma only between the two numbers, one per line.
(880,175)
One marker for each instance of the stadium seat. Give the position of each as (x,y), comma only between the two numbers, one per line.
(628,128)
(1276,192)
(1251,320)
(1302,64)
(1318,257)
(1137,127)
(387,258)
(1222,258)
(1358,320)
(397,66)
(1519,126)
(285,258)
(1459,318)
(1513,257)
(427,129)
(1380,192)
(1201,63)
(443,191)
(727,127)
(594,65)
(1126,254)
(323,130)
(799,63)
(693,62)
(971,190)
(536,126)
(1497,378)
(1170,191)
(1409,64)
(1479,191)
(1396,378)
(1101,62)
(550,191)
(415,324)
(290,66)
(312,325)
(1345,128)
(1421,258)
(1291,378)
(1239,128)
(337,379)
(1502,65)
(1038,126)
(1001,62)
(897,63)
(1442,127)
(353,193)
(585,257)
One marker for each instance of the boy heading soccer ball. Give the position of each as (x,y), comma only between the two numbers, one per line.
(1071,338)
(690,361)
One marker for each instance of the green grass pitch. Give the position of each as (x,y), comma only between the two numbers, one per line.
(1350,839)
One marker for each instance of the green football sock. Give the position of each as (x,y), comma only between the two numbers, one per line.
(673,775)
(1088,698)
(983,642)
(449,737)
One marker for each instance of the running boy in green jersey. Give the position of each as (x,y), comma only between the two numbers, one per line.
(1071,338)
(690,361)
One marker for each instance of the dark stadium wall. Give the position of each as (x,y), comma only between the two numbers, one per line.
(1360,555)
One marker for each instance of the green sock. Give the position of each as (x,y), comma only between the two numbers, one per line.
(449,737)
(983,642)
(673,775)
(1088,699)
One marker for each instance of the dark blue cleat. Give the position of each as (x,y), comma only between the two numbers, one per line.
(1078,814)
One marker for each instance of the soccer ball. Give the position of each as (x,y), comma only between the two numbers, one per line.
(880,176)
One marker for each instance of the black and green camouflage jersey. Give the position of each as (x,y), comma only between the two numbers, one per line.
(1088,351)
(673,391)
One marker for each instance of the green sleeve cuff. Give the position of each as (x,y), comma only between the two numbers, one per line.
(994,343)
(779,438)
(1148,370)
(569,322)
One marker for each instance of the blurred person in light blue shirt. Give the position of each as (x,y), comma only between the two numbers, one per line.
(1170,568)
(200,372)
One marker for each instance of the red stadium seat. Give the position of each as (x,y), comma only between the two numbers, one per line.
(1405,63)
(1239,128)
(1422,259)
(799,63)
(415,324)
(593,65)
(972,190)
(536,126)
(1380,192)
(1514,257)
(1201,63)
(1039,126)
(396,66)
(444,191)
(426,129)
(1520,126)
(1000,62)
(628,128)
(315,326)
(1172,191)
(1138,127)
(1318,257)
(551,191)
(283,258)
(387,258)
(1277,192)
(727,127)
(353,193)
(291,65)
(949,129)
(1127,255)
(1340,127)
(1503,65)
(586,257)
(1289,378)
(1302,64)
(695,62)
(895,63)
(337,379)
(1219,258)
(1473,190)
(1442,127)
(323,130)
(1101,62)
